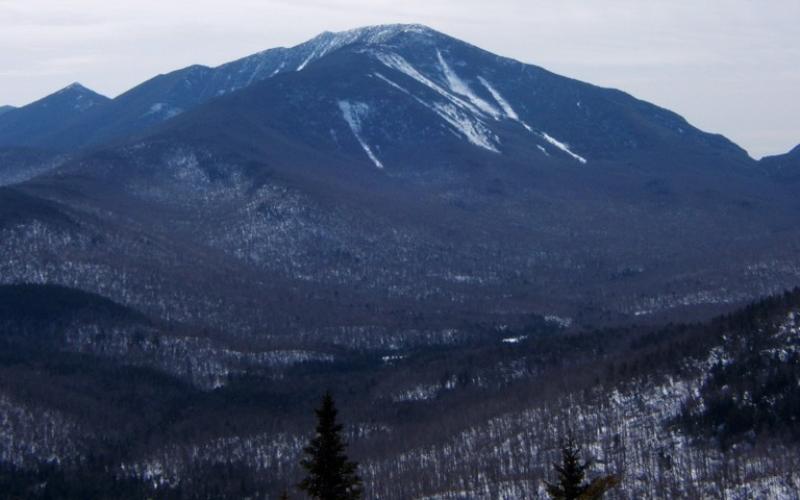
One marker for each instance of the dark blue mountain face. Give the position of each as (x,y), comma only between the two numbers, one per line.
(26,126)
(6,109)
(784,167)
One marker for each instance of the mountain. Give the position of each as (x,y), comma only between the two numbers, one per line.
(410,171)
(168,95)
(6,109)
(476,254)
(448,94)
(785,167)
(570,107)
(24,126)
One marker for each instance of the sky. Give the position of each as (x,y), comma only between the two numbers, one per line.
(728,66)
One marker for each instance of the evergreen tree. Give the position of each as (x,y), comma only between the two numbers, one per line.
(331,475)
(571,475)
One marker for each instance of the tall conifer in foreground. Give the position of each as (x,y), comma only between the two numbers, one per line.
(331,475)
(571,474)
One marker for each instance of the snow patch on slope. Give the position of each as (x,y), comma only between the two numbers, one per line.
(164,110)
(398,63)
(307,60)
(327,42)
(275,72)
(391,83)
(354,113)
(563,147)
(472,129)
(458,113)
(506,107)
(461,87)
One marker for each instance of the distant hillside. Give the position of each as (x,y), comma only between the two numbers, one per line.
(785,167)
(27,125)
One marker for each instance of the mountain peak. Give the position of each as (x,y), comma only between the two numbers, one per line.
(382,34)
(75,95)
(40,118)
(379,32)
(74,87)
(328,41)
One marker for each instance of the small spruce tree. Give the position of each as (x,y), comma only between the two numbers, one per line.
(571,474)
(331,475)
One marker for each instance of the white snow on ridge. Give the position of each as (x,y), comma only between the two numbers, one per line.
(308,60)
(563,147)
(473,130)
(507,109)
(164,110)
(510,113)
(277,70)
(458,113)
(353,113)
(465,115)
(393,84)
(327,42)
(459,86)
(372,35)
(396,61)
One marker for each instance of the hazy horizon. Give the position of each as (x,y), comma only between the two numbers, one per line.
(728,67)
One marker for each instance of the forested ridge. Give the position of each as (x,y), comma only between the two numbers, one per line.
(99,420)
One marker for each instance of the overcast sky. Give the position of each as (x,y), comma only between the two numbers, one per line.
(728,66)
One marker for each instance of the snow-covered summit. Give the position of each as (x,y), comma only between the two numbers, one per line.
(74,86)
(371,35)
(76,95)
(368,36)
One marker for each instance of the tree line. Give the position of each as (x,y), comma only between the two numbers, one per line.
(331,475)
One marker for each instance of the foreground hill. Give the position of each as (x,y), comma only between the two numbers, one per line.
(674,410)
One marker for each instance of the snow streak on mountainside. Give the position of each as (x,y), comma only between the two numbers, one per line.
(458,86)
(353,114)
(563,147)
(462,116)
(507,109)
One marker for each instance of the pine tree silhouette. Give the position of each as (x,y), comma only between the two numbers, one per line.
(331,475)
(571,475)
